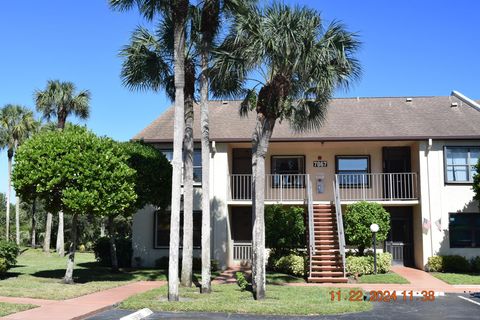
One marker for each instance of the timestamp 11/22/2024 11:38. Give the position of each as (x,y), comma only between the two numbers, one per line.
(383,296)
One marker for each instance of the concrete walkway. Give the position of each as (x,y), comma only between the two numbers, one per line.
(80,307)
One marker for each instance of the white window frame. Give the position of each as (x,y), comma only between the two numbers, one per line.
(468,165)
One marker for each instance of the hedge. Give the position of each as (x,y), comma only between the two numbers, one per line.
(361,265)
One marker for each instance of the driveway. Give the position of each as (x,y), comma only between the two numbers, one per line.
(450,306)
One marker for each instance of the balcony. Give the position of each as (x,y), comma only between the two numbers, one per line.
(286,188)
(378,186)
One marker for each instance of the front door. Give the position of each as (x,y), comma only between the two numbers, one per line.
(400,238)
(396,160)
(241,181)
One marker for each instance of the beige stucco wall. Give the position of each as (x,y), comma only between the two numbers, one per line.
(143,220)
(439,199)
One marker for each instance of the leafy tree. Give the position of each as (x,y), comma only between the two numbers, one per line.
(297,64)
(78,173)
(60,100)
(178,9)
(358,219)
(16,125)
(285,228)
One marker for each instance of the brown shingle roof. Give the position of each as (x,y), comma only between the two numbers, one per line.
(347,119)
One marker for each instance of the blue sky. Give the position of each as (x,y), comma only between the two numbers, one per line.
(409,48)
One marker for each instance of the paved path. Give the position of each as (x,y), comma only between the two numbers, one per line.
(80,307)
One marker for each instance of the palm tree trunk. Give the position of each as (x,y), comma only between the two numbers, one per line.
(206,229)
(180,11)
(9,190)
(261,137)
(33,231)
(17,220)
(187,251)
(102,227)
(71,253)
(113,247)
(48,233)
(60,237)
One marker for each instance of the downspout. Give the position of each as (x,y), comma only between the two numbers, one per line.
(429,147)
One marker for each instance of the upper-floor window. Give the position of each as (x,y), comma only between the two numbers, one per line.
(289,171)
(197,163)
(464,230)
(352,170)
(460,163)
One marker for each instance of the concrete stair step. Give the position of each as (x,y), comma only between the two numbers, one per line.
(327,280)
(326,274)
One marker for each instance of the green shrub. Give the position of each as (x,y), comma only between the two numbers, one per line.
(358,218)
(361,265)
(9,252)
(455,263)
(241,281)
(284,228)
(435,264)
(292,264)
(475,264)
(3,266)
(101,248)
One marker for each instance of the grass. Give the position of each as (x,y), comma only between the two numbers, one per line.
(281,278)
(39,275)
(389,277)
(9,308)
(457,278)
(281,300)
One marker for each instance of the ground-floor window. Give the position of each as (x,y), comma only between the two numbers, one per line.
(464,230)
(162,229)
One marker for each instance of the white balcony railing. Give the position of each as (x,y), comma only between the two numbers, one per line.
(242,251)
(278,187)
(378,186)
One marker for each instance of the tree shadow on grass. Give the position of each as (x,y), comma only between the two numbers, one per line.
(92,271)
(282,279)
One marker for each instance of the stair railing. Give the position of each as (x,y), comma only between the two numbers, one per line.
(311,230)
(338,212)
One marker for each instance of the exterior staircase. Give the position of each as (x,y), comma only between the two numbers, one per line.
(326,264)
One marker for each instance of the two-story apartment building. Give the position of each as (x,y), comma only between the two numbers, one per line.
(414,155)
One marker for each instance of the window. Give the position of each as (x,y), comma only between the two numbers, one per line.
(162,228)
(464,230)
(197,163)
(290,170)
(351,171)
(460,163)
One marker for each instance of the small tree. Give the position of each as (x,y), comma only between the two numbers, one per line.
(358,218)
(77,172)
(285,228)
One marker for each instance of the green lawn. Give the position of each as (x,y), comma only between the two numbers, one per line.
(281,278)
(38,275)
(457,278)
(9,308)
(281,300)
(382,278)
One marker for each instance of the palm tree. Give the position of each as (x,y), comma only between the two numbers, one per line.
(60,100)
(300,64)
(16,124)
(148,63)
(178,9)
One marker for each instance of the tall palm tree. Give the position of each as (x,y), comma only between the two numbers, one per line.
(300,64)
(16,125)
(59,99)
(179,9)
(148,63)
